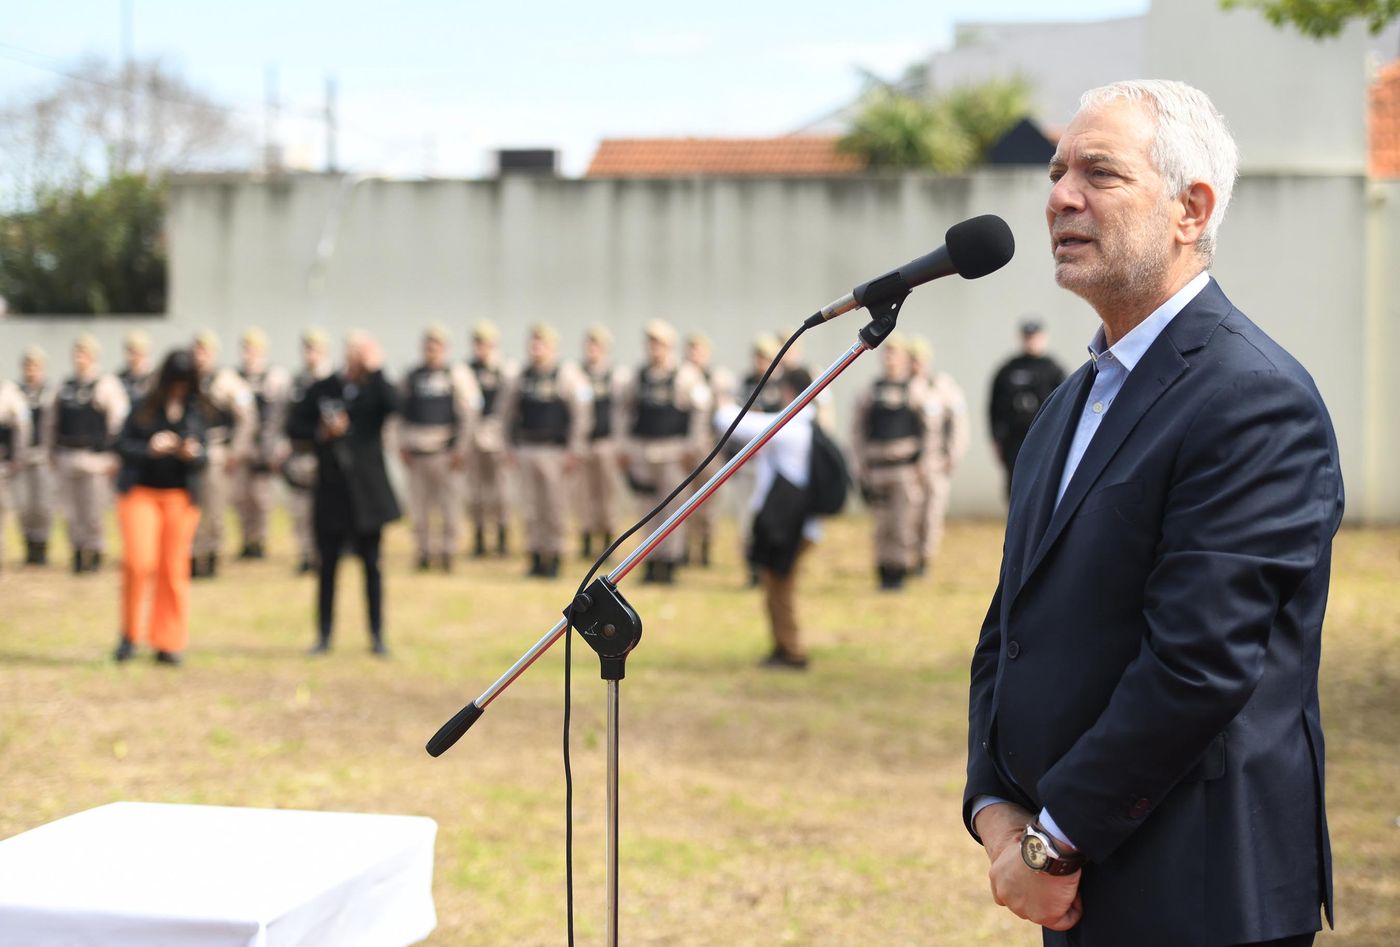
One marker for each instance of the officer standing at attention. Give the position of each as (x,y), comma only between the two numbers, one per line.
(486,474)
(1019,388)
(947,443)
(889,435)
(229,439)
(439,403)
(546,412)
(34,480)
(135,376)
(252,484)
(719,385)
(88,411)
(666,406)
(15,434)
(297,451)
(596,482)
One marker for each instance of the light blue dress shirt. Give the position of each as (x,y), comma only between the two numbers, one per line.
(1112,365)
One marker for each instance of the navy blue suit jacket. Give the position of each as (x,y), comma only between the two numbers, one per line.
(1148,667)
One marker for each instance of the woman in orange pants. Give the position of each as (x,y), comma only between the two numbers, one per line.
(162,451)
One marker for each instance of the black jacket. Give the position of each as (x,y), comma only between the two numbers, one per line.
(353,493)
(1147,670)
(139,468)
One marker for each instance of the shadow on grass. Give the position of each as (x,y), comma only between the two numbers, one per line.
(27,659)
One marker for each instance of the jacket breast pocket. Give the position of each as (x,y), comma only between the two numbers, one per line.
(1114,495)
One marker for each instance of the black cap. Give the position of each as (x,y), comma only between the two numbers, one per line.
(1031,326)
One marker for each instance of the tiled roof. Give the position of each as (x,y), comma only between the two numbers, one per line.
(670,157)
(1385,123)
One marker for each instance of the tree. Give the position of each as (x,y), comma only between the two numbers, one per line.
(1323,18)
(949,133)
(83,165)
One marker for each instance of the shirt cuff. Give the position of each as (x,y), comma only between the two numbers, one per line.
(981,802)
(1048,824)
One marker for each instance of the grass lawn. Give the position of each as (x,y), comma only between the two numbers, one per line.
(758,807)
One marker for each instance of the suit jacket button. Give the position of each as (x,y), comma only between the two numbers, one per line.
(1140,809)
(1013,649)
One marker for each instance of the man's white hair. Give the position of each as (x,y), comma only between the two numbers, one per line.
(1192,142)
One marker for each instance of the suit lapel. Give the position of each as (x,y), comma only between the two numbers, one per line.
(1160,367)
(1064,418)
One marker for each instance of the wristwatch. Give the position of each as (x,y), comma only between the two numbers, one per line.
(1041,852)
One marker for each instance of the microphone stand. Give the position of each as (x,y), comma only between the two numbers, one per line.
(609,624)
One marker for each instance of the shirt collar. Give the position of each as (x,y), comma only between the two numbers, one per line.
(1128,350)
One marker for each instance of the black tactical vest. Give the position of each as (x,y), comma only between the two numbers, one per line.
(135,385)
(542,417)
(81,425)
(602,404)
(891,416)
(7,442)
(488,379)
(657,415)
(35,397)
(301,425)
(257,382)
(771,400)
(431,400)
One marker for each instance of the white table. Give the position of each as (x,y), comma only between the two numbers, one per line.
(143,875)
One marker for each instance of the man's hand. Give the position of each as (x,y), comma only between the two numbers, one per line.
(1048,900)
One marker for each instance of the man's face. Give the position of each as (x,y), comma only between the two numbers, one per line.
(434,353)
(1034,343)
(658,350)
(312,356)
(697,354)
(541,351)
(593,351)
(83,362)
(33,371)
(135,358)
(252,357)
(1109,217)
(203,358)
(483,348)
(897,363)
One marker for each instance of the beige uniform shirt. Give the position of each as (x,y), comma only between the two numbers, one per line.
(433,438)
(109,397)
(275,388)
(489,433)
(948,434)
(229,393)
(576,393)
(14,414)
(614,388)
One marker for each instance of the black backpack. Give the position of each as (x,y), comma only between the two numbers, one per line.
(829,477)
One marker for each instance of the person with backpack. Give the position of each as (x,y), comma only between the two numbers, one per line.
(798,475)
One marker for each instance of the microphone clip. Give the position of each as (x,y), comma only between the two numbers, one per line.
(883,300)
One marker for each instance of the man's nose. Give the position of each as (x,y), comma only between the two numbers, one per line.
(1065,195)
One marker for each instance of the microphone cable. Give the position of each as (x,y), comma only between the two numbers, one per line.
(593,570)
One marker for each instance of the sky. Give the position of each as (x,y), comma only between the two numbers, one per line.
(432,88)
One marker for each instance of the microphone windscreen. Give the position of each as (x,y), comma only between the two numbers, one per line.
(979,245)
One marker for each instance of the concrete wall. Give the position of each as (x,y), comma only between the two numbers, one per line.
(735,257)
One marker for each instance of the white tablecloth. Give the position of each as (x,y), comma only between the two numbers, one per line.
(142,875)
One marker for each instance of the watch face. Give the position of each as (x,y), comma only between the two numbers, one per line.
(1034,853)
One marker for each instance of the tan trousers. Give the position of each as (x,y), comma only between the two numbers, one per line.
(595,489)
(85,492)
(214,497)
(933,504)
(34,498)
(663,475)
(780,598)
(702,521)
(299,504)
(252,498)
(542,497)
(895,505)
(433,491)
(486,488)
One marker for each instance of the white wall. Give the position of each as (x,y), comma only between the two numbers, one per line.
(738,256)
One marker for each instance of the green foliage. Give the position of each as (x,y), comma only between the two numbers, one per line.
(950,133)
(1323,18)
(96,250)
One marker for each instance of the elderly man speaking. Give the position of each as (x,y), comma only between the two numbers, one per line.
(1145,755)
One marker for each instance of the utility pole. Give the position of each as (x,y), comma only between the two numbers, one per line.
(330,125)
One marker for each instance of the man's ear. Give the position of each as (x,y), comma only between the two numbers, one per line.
(1197,207)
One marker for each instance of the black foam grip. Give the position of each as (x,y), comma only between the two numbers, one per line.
(452,731)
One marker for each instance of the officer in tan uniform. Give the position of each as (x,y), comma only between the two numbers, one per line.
(15,434)
(296,454)
(231,423)
(270,386)
(889,435)
(597,476)
(136,375)
(34,480)
(81,428)
(720,385)
(665,407)
(486,473)
(947,443)
(439,404)
(546,413)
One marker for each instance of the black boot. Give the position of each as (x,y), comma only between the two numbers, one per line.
(502,547)
(704,553)
(649,574)
(424,563)
(211,565)
(665,573)
(536,566)
(306,567)
(587,547)
(479,547)
(891,578)
(196,568)
(377,647)
(607,541)
(549,567)
(246,552)
(79,562)
(93,560)
(126,648)
(322,645)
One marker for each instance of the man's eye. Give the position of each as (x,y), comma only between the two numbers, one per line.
(1055,176)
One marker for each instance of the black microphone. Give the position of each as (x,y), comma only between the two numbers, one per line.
(971,249)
